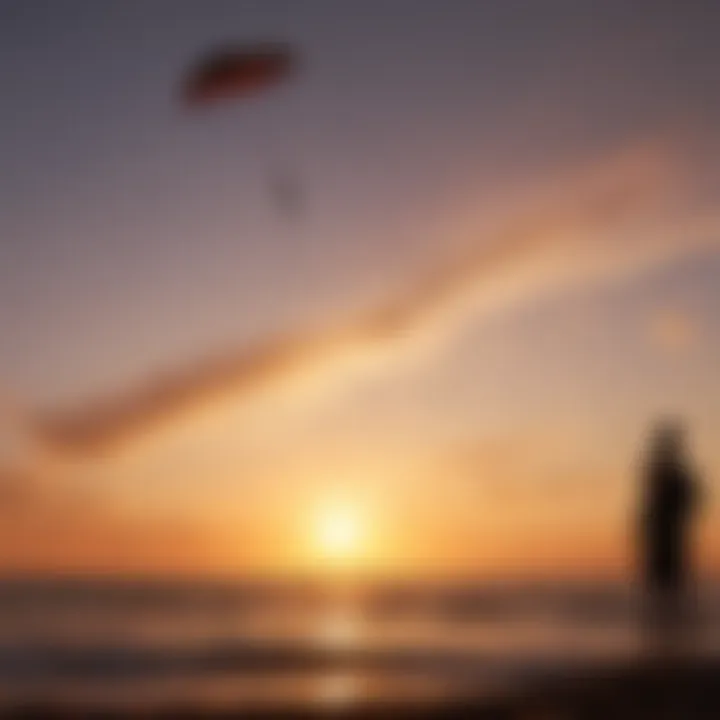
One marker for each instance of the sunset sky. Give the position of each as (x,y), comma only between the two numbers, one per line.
(461,347)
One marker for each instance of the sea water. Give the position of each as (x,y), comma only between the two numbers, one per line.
(153,644)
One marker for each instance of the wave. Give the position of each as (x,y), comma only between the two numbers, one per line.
(63,662)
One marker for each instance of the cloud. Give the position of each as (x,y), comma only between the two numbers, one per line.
(583,228)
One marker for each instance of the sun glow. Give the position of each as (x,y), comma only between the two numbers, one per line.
(339,532)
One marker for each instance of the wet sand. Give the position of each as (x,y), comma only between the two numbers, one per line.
(653,690)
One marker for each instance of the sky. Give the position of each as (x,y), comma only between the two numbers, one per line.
(504,268)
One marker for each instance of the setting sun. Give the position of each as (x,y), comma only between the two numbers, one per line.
(339,532)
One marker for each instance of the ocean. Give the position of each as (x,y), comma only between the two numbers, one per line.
(133,645)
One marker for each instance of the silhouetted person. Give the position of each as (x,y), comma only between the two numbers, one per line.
(670,497)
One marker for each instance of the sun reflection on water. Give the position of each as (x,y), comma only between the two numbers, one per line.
(338,689)
(341,628)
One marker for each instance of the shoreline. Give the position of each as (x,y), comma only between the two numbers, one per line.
(660,687)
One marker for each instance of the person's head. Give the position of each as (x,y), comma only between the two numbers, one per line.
(668,440)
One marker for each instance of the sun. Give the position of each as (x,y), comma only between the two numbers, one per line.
(339,532)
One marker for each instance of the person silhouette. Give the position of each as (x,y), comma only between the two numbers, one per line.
(668,508)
